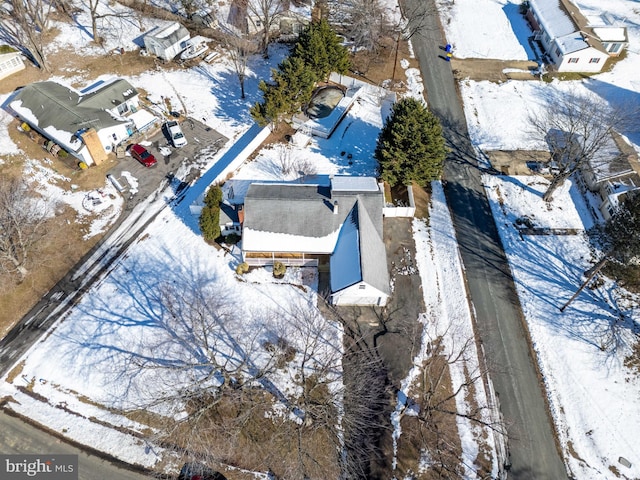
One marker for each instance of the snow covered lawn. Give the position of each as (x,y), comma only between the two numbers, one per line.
(581,351)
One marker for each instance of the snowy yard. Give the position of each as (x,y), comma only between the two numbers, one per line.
(581,351)
(123,321)
(593,397)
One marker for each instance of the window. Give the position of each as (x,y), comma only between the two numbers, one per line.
(614,47)
(557,52)
(594,60)
(362,287)
(123,108)
(573,60)
(10,65)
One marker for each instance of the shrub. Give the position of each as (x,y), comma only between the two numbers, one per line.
(279,269)
(232,239)
(242,268)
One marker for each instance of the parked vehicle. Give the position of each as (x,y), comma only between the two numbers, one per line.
(175,132)
(142,155)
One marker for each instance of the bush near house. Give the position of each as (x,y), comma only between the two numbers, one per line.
(410,146)
(242,268)
(279,269)
(210,215)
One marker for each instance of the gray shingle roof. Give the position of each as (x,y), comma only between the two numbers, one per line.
(308,211)
(54,105)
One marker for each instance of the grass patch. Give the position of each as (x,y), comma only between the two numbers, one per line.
(422,198)
(15,371)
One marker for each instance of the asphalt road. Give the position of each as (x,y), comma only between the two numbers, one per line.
(18,437)
(532,446)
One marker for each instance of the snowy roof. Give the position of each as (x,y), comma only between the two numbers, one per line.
(345,262)
(142,119)
(574,42)
(346,223)
(170,35)
(60,111)
(554,19)
(348,183)
(611,34)
(610,162)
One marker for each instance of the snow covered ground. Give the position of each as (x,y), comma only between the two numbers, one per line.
(80,393)
(594,398)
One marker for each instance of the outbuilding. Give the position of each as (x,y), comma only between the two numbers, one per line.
(166,43)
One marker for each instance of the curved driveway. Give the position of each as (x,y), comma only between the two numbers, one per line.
(533,452)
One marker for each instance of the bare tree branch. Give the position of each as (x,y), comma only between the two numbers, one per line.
(22,225)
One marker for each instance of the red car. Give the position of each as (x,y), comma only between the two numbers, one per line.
(142,155)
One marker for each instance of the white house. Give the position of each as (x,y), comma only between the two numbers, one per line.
(572,42)
(335,227)
(10,63)
(168,42)
(88,124)
(612,173)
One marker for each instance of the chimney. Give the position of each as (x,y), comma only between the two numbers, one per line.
(335,207)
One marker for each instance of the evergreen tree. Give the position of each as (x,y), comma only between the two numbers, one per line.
(319,47)
(213,197)
(210,215)
(298,80)
(623,230)
(411,147)
(290,89)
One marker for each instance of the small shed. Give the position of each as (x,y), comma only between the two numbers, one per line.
(10,63)
(168,42)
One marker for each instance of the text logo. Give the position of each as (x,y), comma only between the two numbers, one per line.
(45,467)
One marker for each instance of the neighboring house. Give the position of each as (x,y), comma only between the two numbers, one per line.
(10,63)
(87,124)
(612,174)
(168,42)
(336,227)
(573,42)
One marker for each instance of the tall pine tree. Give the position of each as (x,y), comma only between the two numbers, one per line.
(411,147)
(320,48)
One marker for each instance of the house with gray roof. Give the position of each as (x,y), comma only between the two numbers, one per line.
(611,174)
(336,227)
(166,43)
(573,42)
(88,124)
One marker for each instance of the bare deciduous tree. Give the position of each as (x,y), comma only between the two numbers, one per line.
(22,225)
(263,15)
(577,128)
(25,23)
(240,47)
(435,402)
(99,11)
(216,375)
